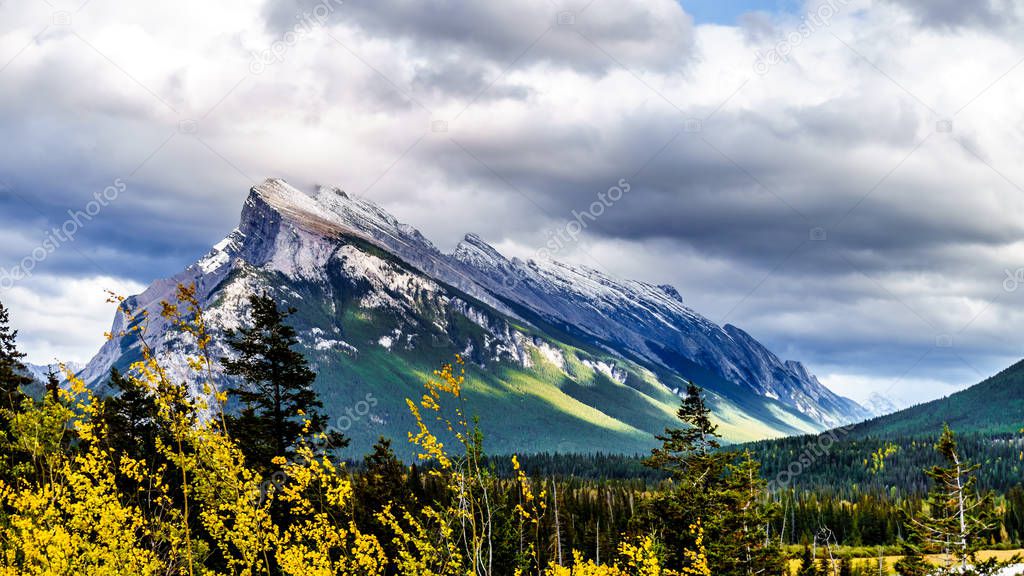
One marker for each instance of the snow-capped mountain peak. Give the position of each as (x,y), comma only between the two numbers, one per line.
(350,259)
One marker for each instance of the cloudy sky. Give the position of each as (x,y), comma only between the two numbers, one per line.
(839,178)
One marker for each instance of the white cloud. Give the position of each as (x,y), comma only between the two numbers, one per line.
(899,392)
(921,224)
(63,319)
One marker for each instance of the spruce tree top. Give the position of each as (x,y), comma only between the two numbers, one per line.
(275,384)
(12,368)
(697,440)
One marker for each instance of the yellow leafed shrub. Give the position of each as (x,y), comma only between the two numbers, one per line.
(70,506)
(69,514)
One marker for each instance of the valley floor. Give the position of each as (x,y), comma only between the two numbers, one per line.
(890,561)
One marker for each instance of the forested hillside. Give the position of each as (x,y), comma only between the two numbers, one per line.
(995,406)
(885,454)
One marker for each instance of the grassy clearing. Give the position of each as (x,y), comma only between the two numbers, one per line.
(871,565)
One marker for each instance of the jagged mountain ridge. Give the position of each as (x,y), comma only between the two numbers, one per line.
(561,344)
(40,372)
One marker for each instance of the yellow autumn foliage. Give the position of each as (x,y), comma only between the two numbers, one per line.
(71,517)
(203,511)
(456,540)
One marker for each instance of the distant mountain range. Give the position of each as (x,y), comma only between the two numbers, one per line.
(988,419)
(994,406)
(561,357)
(39,372)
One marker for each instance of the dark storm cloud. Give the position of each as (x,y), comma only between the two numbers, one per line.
(463,78)
(750,187)
(650,35)
(128,237)
(71,148)
(955,14)
(816,206)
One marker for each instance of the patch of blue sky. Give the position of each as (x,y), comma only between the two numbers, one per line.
(726,12)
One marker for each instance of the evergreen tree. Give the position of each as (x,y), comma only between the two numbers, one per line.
(52,384)
(846,566)
(957,515)
(689,455)
(808,565)
(722,490)
(913,563)
(133,426)
(13,461)
(1013,519)
(12,367)
(743,520)
(414,484)
(690,447)
(132,419)
(384,481)
(276,390)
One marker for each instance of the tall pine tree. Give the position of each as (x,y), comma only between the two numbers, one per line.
(684,449)
(808,564)
(957,515)
(13,373)
(384,481)
(690,455)
(722,490)
(12,380)
(52,384)
(745,514)
(276,386)
(132,419)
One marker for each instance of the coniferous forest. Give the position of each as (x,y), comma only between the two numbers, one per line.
(153,477)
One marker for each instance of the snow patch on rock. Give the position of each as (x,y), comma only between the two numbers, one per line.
(323,344)
(613,372)
(551,354)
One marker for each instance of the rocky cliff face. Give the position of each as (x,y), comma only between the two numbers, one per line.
(563,340)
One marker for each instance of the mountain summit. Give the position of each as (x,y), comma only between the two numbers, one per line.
(562,357)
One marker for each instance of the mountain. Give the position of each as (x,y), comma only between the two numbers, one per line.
(562,358)
(988,419)
(40,372)
(880,405)
(994,406)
